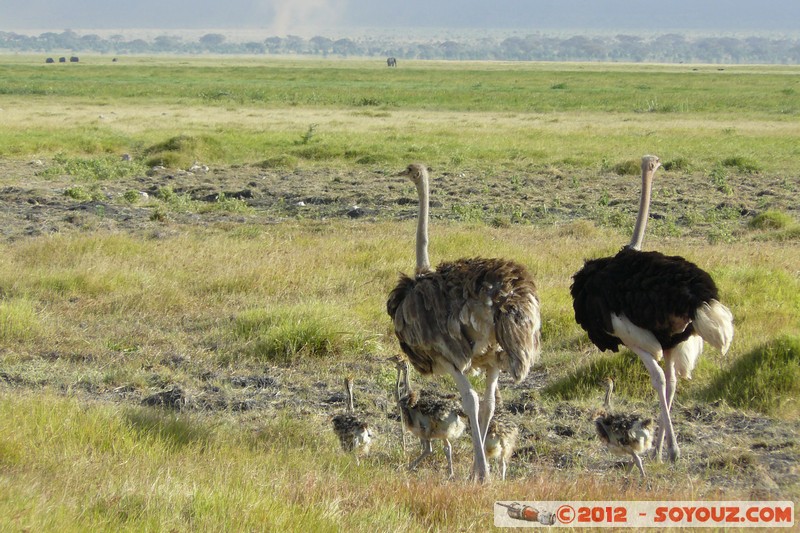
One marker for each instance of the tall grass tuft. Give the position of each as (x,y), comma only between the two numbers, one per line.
(766,379)
(771,219)
(285,333)
(18,320)
(624,367)
(742,164)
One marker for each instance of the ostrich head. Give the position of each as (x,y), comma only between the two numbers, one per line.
(416,172)
(608,384)
(650,164)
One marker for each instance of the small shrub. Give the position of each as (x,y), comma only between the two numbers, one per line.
(78,193)
(467,212)
(631,167)
(283,161)
(558,86)
(182,151)
(771,220)
(131,196)
(742,164)
(230,204)
(367,101)
(309,134)
(677,164)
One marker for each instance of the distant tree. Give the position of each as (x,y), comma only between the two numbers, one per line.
(320,45)
(345,47)
(295,44)
(167,43)
(273,44)
(212,40)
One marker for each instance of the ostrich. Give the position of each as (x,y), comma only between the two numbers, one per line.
(467,314)
(501,438)
(429,418)
(660,307)
(624,434)
(354,434)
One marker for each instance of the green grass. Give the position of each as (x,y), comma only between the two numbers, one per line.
(283,334)
(766,378)
(174,112)
(18,320)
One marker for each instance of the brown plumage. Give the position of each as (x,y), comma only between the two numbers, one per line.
(428,417)
(467,314)
(624,433)
(354,434)
(660,307)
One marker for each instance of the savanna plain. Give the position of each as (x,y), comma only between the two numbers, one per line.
(194,253)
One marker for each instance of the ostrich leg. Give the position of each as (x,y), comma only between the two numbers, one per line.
(470,402)
(660,385)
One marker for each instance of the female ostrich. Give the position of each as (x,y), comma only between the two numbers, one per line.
(429,418)
(658,306)
(469,313)
(354,434)
(624,434)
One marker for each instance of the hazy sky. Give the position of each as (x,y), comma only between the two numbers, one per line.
(281,17)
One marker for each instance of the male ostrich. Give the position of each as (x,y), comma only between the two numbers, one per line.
(658,306)
(467,314)
(624,434)
(354,434)
(427,417)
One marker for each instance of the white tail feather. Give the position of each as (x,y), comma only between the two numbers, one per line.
(685,355)
(714,323)
(633,336)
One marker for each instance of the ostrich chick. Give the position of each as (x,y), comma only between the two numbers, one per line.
(624,434)
(429,418)
(353,433)
(501,439)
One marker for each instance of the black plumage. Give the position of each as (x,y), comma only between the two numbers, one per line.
(654,291)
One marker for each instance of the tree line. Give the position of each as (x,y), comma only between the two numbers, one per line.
(665,48)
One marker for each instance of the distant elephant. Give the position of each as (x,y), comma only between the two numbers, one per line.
(49,60)
(391,62)
(73,59)
(62,59)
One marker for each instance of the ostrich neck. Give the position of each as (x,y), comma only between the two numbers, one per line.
(423,263)
(644,211)
(406,380)
(350,406)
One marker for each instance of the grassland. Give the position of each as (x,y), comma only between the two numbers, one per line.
(219,290)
